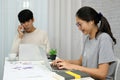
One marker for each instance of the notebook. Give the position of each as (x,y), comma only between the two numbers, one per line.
(29,52)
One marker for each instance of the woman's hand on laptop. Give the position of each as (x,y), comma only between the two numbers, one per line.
(66,65)
(55,62)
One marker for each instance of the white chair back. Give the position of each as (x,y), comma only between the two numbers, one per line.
(116,70)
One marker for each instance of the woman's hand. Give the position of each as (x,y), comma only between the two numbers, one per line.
(63,64)
(66,65)
(55,62)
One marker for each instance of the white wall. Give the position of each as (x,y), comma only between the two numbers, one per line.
(63,33)
(0,31)
(2,45)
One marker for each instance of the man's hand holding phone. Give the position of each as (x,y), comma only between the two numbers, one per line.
(20,31)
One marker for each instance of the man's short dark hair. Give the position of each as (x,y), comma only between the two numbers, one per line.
(25,15)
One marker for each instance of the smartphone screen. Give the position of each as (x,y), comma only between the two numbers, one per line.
(22,30)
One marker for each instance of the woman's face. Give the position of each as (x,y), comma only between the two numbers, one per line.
(84,26)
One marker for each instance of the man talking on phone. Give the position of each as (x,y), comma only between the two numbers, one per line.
(27,33)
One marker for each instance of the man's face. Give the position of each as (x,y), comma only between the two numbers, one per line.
(28,25)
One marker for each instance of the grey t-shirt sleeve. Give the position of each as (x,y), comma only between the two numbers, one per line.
(106,53)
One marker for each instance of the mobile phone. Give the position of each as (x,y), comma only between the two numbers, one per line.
(22,30)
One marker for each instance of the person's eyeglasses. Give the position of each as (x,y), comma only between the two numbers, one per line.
(78,24)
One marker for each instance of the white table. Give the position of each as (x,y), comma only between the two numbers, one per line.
(29,70)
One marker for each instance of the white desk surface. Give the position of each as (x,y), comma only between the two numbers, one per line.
(29,70)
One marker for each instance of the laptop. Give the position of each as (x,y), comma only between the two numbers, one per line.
(29,52)
(55,69)
(46,61)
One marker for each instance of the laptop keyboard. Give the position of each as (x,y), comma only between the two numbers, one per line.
(54,67)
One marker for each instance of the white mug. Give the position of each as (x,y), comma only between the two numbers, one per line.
(12,56)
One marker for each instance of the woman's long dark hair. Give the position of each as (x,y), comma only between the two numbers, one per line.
(89,14)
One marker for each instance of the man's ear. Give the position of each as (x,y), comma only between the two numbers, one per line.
(33,19)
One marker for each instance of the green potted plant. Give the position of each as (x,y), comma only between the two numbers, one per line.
(53,53)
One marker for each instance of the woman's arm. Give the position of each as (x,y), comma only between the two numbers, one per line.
(99,73)
(77,62)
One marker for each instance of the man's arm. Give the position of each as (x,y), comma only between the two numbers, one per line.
(15,45)
(17,40)
(47,44)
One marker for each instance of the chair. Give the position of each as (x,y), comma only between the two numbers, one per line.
(116,70)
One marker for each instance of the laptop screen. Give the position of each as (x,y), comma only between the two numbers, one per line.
(44,58)
(29,52)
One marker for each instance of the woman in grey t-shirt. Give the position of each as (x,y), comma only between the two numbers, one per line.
(98,57)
